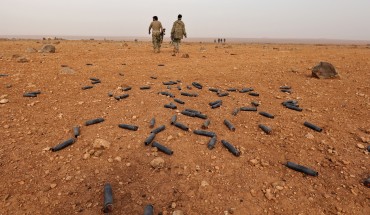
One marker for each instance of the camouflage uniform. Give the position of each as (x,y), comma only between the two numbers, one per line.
(156,33)
(177,33)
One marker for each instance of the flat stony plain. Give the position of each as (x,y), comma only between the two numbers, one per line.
(194,180)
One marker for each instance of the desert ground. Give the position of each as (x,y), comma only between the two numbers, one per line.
(194,179)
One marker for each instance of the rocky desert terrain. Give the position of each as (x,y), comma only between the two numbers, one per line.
(194,179)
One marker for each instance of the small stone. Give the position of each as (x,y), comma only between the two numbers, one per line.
(52,186)
(185,55)
(110,160)
(254,162)
(128,164)
(268,194)
(173,205)
(279,187)
(118,158)
(86,156)
(4,101)
(134,117)
(309,136)
(169,138)
(253,193)
(22,60)
(178,212)
(98,153)
(360,146)
(6,126)
(365,140)
(204,183)
(157,163)
(68,178)
(101,144)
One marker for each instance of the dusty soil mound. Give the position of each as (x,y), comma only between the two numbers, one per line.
(121,84)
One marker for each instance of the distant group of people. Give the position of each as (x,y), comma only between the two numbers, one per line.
(219,40)
(178,32)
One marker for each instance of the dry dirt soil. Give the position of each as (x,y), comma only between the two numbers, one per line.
(194,180)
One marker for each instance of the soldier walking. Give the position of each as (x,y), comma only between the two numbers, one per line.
(177,33)
(156,26)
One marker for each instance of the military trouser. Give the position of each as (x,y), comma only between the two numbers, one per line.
(156,39)
(176,45)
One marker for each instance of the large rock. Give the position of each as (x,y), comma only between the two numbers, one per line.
(324,70)
(47,49)
(101,144)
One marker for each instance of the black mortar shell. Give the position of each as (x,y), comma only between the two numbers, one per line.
(108,199)
(202,116)
(189,94)
(300,168)
(3,75)
(231,148)
(29,95)
(246,90)
(229,125)
(285,87)
(204,133)
(95,82)
(179,87)
(162,148)
(368,148)
(248,109)
(86,87)
(255,103)
(149,210)
(216,105)
(268,115)
(254,94)
(236,111)
(153,77)
(35,92)
(145,88)
(179,101)
(169,83)
(187,113)
(223,94)
(265,128)
(232,89)
(206,124)
(94,79)
(191,110)
(290,102)
(294,108)
(286,91)
(312,126)
(197,85)
(126,88)
(63,145)
(367,182)
(214,90)
(149,139)
(181,126)
(94,121)
(215,102)
(167,94)
(110,94)
(121,96)
(159,129)
(170,105)
(212,142)
(128,127)
(152,123)
(173,119)
(76,131)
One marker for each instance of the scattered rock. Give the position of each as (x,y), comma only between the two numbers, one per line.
(157,163)
(47,49)
(22,60)
(268,194)
(360,146)
(67,70)
(4,101)
(185,56)
(118,158)
(31,50)
(178,212)
(173,205)
(254,162)
(86,156)
(52,186)
(365,140)
(324,70)
(309,136)
(68,178)
(101,144)
(204,183)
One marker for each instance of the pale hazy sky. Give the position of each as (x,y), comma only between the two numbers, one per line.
(300,19)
